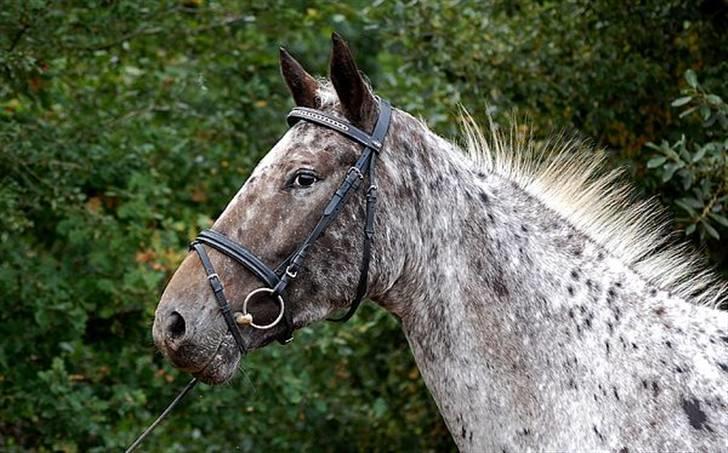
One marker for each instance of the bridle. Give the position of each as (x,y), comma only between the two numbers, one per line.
(277,280)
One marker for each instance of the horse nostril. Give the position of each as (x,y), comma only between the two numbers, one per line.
(175,325)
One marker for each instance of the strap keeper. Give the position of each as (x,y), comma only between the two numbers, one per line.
(215,282)
(291,273)
(355,170)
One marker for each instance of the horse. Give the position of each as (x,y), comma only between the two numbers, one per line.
(545,308)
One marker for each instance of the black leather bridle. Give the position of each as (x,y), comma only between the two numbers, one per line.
(277,280)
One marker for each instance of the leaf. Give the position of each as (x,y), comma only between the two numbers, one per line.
(697,204)
(690,229)
(719,218)
(705,112)
(688,112)
(709,229)
(656,161)
(669,172)
(681,101)
(691,78)
(700,153)
(686,207)
(714,99)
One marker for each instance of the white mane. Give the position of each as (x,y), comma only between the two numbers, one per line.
(566,174)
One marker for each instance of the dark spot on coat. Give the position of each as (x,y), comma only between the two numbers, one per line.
(601,437)
(655,389)
(724,339)
(634,346)
(696,416)
(575,275)
(659,311)
(616,393)
(653,292)
(500,289)
(606,344)
(570,289)
(723,367)
(571,312)
(464,432)
(484,197)
(668,344)
(623,450)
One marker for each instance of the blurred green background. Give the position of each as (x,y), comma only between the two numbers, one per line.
(126,126)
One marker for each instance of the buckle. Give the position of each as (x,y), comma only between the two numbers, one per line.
(355,170)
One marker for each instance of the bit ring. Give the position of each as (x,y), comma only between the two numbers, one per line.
(275,321)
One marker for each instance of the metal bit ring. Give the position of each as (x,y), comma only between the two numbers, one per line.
(275,321)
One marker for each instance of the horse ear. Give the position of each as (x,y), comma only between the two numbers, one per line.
(354,94)
(301,84)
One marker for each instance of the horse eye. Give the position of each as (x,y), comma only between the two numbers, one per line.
(305,179)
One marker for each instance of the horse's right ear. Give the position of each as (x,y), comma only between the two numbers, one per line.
(302,85)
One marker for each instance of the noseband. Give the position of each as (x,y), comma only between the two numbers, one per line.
(277,280)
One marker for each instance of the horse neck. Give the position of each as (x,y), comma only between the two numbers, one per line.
(486,277)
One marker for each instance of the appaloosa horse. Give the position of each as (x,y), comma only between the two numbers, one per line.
(543,308)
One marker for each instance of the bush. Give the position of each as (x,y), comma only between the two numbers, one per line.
(696,174)
(126,126)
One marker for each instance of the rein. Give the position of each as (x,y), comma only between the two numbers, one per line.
(277,280)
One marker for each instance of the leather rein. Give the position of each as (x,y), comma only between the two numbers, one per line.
(277,280)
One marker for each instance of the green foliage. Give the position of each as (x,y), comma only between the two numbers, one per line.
(126,126)
(697,171)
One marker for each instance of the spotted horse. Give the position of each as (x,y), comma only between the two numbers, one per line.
(546,309)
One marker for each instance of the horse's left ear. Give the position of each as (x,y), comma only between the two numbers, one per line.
(303,87)
(357,99)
